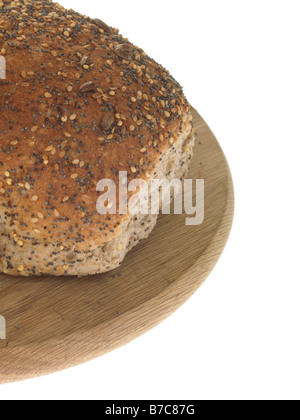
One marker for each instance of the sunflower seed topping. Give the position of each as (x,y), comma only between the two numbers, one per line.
(102,25)
(87,87)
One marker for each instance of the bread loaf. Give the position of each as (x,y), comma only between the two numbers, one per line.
(79,104)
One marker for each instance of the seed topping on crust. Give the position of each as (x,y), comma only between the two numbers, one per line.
(79,103)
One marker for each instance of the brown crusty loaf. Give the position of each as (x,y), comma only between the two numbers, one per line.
(80,103)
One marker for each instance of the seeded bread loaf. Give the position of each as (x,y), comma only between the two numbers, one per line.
(79,104)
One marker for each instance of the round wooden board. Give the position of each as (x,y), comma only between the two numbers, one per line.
(56,323)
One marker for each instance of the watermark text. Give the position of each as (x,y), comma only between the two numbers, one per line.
(2,67)
(2,328)
(145,198)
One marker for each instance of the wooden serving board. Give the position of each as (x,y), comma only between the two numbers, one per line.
(56,323)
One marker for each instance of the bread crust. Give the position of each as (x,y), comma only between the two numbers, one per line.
(79,104)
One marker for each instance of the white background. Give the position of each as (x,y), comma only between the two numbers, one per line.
(239,336)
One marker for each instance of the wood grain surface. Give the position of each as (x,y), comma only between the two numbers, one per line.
(56,323)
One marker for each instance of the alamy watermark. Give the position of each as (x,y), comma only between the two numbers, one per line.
(149,198)
(2,328)
(2,67)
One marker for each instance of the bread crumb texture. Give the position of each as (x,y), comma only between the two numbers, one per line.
(79,104)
